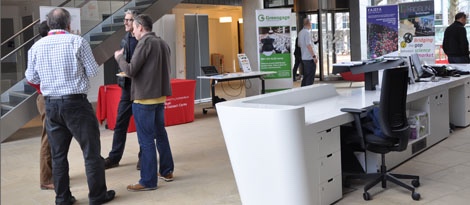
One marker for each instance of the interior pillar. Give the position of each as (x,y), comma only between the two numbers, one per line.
(249,8)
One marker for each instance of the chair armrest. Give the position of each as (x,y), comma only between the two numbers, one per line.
(353,110)
(357,113)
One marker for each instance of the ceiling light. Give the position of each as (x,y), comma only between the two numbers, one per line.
(225,19)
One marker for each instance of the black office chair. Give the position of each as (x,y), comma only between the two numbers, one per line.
(393,125)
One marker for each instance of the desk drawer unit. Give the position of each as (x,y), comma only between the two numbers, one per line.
(438,116)
(329,148)
(330,190)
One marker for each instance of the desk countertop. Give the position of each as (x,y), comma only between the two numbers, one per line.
(322,112)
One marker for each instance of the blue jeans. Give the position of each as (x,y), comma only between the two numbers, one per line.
(309,68)
(124,114)
(458,59)
(67,118)
(151,133)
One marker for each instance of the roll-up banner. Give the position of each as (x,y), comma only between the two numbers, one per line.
(416,34)
(274,47)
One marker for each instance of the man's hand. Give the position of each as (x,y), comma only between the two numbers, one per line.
(118,53)
(315,59)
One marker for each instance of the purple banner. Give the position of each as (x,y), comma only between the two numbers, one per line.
(382,30)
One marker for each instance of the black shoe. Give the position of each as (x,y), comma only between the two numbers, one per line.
(138,165)
(109,197)
(108,164)
(71,201)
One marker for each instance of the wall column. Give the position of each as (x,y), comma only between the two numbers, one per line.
(357,13)
(250,43)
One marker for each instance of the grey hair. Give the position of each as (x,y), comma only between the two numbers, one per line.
(58,18)
(134,13)
(145,21)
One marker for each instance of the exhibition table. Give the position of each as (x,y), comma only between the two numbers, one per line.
(179,107)
(233,76)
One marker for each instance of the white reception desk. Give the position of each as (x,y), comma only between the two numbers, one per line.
(285,148)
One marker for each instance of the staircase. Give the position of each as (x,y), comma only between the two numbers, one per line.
(18,103)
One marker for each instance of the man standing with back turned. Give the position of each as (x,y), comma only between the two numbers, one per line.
(62,64)
(150,72)
(455,43)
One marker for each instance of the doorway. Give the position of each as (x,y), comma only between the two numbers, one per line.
(330,29)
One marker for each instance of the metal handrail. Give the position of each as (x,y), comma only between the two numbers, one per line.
(21,31)
(30,25)
(19,47)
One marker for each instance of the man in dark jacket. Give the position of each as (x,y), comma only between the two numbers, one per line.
(455,42)
(298,59)
(150,72)
(128,43)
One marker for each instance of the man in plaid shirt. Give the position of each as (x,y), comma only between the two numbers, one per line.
(62,64)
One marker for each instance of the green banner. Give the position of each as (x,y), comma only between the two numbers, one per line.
(280,63)
(274,47)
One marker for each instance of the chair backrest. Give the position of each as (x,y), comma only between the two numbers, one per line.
(392,118)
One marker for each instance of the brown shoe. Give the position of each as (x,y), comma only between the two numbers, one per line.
(167,178)
(47,186)
(139,187)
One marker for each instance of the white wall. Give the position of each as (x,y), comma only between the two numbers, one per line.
(165,27)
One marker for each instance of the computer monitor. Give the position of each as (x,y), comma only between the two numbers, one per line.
(416,66)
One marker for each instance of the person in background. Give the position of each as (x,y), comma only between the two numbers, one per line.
(455,43)
(150,72)
(128,43)
(309,59)
(62,64)
(45,163)
(298,59)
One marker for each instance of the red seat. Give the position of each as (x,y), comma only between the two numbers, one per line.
(352,77)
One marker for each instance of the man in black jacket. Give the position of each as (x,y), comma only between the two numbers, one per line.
(298,59)
(128,43)
(455,42)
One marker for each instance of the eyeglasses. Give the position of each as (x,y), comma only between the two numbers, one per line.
(127,20)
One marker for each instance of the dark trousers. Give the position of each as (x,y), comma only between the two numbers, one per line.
(297,63)
(309,68)
(151,133)
(74,117)
(122,123)
(458,59)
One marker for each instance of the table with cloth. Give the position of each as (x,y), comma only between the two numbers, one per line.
(179,107)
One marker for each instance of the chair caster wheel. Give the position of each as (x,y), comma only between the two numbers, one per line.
(415,183)
(416,196)
(366,196)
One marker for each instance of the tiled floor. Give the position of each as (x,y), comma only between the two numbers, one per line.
(203,174)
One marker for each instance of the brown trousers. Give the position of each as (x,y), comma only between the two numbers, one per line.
(45,160)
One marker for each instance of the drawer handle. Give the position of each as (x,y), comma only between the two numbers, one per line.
(328,156)
(330,180)
(328,130)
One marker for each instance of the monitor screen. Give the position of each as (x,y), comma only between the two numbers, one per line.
(416,66)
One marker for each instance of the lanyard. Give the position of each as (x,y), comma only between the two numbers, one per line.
(57,32)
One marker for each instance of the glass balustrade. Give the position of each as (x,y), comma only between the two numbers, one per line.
(99,19)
